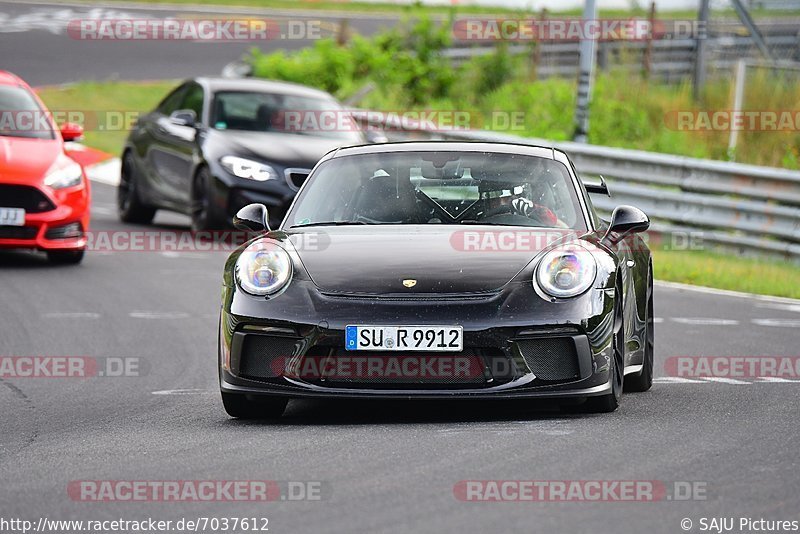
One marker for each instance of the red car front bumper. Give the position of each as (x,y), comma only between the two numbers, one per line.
(44,230)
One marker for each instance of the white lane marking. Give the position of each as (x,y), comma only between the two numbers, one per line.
(56,19)
(776,380)
(724,380)
(658,320)
(705,321)
(725,292)
(779,306)
(105,172)
(187,255)
(71,315)
(784,323)
(103,211)
(189,391)
(158,315)
(675,380)
(549,428)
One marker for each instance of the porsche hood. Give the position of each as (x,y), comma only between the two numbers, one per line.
(373,260)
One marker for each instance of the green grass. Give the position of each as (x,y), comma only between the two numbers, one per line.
(105,102)
(761,276)
(362,6)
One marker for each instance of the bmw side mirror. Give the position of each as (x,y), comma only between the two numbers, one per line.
(183,117)
(252,218)
(296,177)
(625,220)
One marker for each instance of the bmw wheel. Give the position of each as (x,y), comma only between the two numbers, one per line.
(129,204)
(204,217)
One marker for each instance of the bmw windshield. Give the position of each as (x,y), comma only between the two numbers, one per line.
(434,187)
(289,114)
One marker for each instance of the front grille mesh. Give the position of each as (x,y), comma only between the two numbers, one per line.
(22,196)
(18,232)
(550,358)
(265,356)
(336,367)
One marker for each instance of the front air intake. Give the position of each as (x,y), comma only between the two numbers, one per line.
(550,358)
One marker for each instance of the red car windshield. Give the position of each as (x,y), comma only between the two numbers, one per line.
(21,115)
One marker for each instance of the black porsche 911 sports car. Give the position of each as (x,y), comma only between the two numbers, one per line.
(214,145)
(438,270)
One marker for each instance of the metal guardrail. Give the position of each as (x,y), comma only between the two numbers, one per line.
(670,60)
(748,208)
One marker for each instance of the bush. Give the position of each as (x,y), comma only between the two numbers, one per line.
(409,72)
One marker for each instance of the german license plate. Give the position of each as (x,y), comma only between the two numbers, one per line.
(404,338)
(12,217)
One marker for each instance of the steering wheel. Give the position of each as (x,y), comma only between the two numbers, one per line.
(508,218)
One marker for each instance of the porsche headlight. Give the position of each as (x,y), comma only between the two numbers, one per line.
(67,176)
(249,169)
(263,268)
(566,271)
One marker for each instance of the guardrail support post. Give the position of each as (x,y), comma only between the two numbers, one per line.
(701,34)
(585,77)
(738,100)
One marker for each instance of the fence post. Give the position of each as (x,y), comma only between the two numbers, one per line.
(647,60)
(585,76)
(738,100)
(700,50)
(536,53)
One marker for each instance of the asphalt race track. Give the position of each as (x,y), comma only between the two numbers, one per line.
(45,52)
(373,466)
(388,466)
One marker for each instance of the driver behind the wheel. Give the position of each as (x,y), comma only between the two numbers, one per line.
(500,198)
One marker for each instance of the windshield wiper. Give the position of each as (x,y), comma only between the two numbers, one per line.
(328,223)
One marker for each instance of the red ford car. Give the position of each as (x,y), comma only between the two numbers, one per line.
(44,194)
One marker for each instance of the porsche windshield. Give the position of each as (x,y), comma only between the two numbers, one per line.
(439,188)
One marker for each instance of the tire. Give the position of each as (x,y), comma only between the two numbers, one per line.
(249,407)
(130,207)
(65,257)
(610,402)
(203,216)
(643,381)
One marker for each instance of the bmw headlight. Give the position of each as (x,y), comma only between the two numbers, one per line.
(263,268)
(566,271)
(249,169)
(67,176)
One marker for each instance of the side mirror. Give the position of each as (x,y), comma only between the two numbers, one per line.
(252,218)
(375,136)
(183,117)
(624,221)
(71,131)
(296,177)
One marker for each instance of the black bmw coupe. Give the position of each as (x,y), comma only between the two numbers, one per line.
(214,145)
(438,270)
